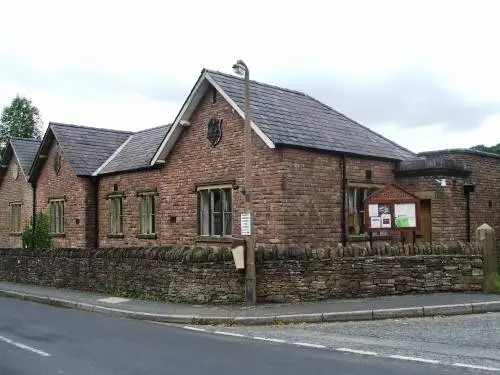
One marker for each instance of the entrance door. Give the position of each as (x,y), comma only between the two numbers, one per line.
(425,221)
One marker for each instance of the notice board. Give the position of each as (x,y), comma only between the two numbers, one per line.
(392,209)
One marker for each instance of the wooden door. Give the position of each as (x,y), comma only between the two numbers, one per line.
(425,221)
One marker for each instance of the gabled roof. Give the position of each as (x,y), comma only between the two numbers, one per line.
(136,152)
(85,148)
(25,150)
(283,117)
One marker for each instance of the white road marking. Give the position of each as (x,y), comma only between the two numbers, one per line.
(24,347)
(347,350)
(229,334)
(308,345)
(195,329)
(414,359)
(113,300)
(268,339)
(476,367)
(304,344)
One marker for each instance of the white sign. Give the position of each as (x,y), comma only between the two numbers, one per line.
(373,210)
(375,222)
(245,224)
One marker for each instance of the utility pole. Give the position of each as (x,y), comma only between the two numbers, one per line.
(250,274)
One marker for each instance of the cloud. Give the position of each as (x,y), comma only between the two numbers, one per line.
(410,98)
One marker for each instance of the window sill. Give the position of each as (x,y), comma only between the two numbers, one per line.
(215,239)
(15,234)
(116,235)
(147,236)
(57,235)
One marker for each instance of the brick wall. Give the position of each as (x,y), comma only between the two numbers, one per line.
(313,193)
(209,276)
(193,161)
(75,190)
(14,190)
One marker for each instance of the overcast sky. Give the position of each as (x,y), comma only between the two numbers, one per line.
(425,74)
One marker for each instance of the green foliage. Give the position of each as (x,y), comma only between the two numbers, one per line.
(497,283)
(38,237)
(20,119)
(493,149)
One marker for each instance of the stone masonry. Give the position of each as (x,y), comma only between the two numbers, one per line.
(208,275)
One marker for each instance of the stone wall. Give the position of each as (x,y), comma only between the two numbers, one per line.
(209,276)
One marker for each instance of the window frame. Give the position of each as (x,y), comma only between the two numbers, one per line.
(59,204)
(114,215)
(144,198)
(359,211)
(224,228)
(15,213)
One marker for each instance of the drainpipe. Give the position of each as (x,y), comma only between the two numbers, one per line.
(95,193)
(468,188)
(33,220)
(343,211)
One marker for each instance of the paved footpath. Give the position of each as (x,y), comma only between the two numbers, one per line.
(408,306)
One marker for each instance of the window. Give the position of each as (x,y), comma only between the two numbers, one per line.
(116,215)
(356,219)
(15,217)
(215,212)
(147,208)
(57,216)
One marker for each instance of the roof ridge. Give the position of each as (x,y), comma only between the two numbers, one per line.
(257,82)
(153,128)
(90,127)
(25,139)
(460,150)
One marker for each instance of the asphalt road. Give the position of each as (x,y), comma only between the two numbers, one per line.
(38,340)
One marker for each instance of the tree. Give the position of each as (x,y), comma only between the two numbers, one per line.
(493,149)
(37,237)
(20,119)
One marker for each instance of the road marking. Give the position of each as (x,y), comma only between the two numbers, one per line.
(268,339)
(229,334)
(24,347)
(113,300)
(308,345)
(195,329)
(414,359)
(476,367)
(347,350)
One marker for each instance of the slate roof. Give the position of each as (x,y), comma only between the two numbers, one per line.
(137,151)
(87,148)
(25,150)
(293,118)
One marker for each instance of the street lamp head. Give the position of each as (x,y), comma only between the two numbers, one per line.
(240,68)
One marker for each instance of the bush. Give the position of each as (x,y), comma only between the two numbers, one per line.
(38,237)
(497,283)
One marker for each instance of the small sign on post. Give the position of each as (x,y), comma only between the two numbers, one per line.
(246,224)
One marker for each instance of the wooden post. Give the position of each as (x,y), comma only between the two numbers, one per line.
(485,237)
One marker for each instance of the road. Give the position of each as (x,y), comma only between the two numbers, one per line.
(39,340)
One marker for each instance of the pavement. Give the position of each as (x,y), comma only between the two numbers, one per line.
(405,306)
(43,340)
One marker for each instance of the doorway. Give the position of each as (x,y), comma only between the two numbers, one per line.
(425,221)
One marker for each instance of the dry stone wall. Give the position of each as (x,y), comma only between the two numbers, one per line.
(208,275)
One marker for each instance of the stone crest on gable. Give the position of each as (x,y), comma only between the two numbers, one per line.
(214,131)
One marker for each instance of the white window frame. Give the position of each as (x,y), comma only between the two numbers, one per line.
(206,221)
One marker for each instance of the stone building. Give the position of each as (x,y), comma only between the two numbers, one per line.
(16,193)
(312,168)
